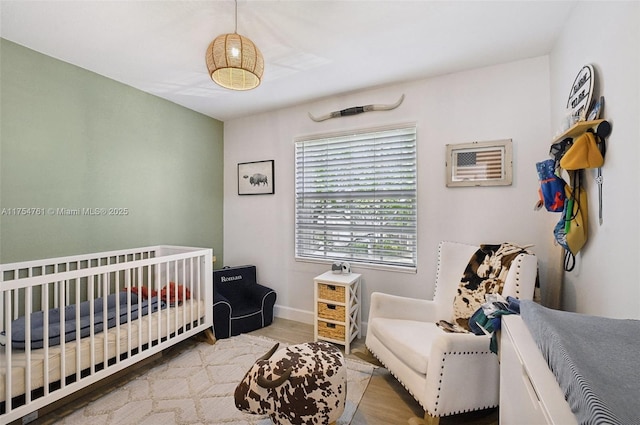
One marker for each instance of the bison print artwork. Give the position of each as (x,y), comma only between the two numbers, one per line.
(256,178)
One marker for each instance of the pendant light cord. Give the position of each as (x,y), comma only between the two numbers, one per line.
(236,18)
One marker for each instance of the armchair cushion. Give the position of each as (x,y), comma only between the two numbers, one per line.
(409,340)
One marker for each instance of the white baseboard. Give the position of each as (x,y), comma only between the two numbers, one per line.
(295,314)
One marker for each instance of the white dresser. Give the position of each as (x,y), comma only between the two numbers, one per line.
(529,392)
(337,308)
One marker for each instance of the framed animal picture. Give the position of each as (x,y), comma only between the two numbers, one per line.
(256,178)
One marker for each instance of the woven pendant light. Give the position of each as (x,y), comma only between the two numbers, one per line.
(234,62)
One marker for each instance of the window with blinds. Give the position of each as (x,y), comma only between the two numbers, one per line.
(356,198)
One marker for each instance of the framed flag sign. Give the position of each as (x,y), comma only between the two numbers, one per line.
(480,164)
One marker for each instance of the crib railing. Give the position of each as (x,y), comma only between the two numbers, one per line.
(109,310)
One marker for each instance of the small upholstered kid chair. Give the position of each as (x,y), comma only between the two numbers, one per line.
(240,303)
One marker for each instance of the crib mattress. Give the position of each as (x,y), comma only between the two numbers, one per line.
(594,360)
(119,340)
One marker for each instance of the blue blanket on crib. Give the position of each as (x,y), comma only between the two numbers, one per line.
(71,327)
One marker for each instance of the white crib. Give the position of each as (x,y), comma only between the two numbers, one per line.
(31,378)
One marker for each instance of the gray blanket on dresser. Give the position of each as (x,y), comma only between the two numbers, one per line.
(596,361)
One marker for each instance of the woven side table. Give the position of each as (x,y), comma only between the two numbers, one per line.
(337,308)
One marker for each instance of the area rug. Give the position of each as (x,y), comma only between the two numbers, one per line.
(196,387)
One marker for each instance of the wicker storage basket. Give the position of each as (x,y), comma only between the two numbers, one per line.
(331,292)
(331,311)
(331,330)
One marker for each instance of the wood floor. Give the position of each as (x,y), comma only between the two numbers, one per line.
(385,402)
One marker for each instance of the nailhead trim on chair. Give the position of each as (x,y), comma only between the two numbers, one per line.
(519,260)
(518,267)
(440,381)
(435,286)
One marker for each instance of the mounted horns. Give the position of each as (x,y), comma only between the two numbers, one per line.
(357,110)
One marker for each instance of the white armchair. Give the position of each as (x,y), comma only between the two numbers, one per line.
(447,373)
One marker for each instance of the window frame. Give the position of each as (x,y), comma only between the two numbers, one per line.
(372,263)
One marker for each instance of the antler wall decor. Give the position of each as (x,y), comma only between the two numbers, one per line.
(357,110)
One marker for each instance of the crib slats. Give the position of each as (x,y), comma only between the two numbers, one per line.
(104,293)
(139,283)
(92,323)
(118,313)
(28,311)
(157,283)
(2,318)
(58,369)
(45,339)
(63,342)
(173,291)
(8,352)
(77,345)
(147,284)
(190,301)
(16,305)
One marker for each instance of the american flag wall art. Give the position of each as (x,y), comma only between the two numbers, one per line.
(480,164)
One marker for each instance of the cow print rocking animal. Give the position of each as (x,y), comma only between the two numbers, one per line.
(297,385)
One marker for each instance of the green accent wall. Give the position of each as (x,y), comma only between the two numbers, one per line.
(74,143)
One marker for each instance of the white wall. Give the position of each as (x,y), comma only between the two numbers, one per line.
(606,280)
(504,101)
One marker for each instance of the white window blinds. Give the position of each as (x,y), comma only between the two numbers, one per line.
(356,198)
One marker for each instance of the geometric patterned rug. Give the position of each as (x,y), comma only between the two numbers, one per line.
(195,386)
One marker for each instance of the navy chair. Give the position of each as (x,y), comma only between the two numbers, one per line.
(240,303)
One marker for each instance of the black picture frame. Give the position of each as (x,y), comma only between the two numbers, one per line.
(256,178)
